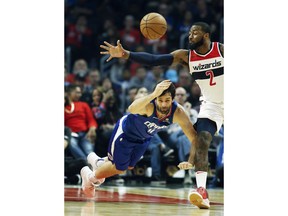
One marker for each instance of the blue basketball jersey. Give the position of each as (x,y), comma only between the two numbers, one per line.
(140,128)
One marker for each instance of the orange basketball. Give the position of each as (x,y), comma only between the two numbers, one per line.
(153,26)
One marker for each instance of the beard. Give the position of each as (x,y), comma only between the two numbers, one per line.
(193,46)
(163,111)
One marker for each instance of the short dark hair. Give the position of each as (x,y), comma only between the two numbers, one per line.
(205,27)
(70,88)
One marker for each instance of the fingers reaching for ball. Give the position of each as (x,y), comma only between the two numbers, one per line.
(113,51)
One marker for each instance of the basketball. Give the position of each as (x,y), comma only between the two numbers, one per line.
(153,26)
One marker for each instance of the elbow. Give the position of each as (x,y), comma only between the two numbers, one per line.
(133,110)
(130,109)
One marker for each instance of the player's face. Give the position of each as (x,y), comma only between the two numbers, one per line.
(163,103)
(196,37)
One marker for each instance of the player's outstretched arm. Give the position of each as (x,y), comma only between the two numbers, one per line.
(142,57)
(142,105)
(182,118)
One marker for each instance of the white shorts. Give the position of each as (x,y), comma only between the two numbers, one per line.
(212,111)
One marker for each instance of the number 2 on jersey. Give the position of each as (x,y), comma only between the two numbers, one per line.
(211,74)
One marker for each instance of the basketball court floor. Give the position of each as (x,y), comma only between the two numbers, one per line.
(139,200)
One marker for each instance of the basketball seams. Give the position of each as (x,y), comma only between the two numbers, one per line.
(152,30)
(147,33)
(151,18)
(153,24)
(155,29)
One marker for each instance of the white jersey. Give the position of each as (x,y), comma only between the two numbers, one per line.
(208,71)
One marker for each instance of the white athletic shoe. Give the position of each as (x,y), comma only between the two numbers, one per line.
(87,186)
(92,159)
(199,198)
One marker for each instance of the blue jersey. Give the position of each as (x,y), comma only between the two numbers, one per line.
(140,128)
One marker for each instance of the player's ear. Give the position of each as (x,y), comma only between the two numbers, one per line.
(206,35)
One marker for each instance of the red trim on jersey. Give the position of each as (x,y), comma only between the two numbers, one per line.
(212,53)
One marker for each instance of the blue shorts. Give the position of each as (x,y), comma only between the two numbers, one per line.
(122,151)
(205,124)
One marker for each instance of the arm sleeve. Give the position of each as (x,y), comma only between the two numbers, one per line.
(151,59)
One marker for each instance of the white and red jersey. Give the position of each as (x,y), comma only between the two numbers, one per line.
(208,71)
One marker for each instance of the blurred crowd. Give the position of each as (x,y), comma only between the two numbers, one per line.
(98,93)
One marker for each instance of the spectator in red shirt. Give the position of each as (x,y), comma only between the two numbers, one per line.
(79,118)
(129,35)
(79,38)
(80,68)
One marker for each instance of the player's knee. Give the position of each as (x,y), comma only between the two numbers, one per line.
(130,168)
(204,140)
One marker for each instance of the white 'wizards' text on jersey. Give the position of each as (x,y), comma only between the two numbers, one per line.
(208,71)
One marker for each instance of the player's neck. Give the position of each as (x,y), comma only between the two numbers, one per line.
(203,49)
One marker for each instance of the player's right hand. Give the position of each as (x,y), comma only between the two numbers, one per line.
(113,51)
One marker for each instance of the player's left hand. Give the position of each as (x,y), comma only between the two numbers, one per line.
(160,87)
(185,165)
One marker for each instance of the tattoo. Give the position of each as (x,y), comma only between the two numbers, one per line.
(201,161)
(184,57)
(183,63)
(201,156)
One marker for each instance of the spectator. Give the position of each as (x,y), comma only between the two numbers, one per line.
(153,77)
(67,136)
(79,118)
(79,39)
(139,78)
(129,35)
(132,91)
(107,84)
(117,70)
(185,79)
(94,80)
(72,166)
(98,106)
(185,24)
(80,68)
(111,110)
